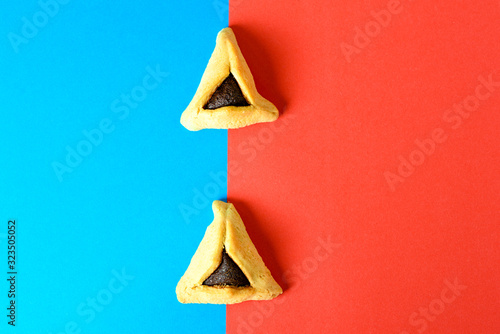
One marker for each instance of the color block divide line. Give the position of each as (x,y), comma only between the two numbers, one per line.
(373,199)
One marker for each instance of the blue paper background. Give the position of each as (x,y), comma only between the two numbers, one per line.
(119,209)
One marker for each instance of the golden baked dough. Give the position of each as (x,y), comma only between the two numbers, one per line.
(227,59)
(228,232)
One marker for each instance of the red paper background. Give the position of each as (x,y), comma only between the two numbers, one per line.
(318,171)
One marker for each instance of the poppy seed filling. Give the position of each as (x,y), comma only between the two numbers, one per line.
(227,274)
(227,94)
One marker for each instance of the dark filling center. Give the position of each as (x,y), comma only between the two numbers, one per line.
(227,273)
(227,94)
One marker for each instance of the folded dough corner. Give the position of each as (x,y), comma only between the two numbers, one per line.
(226,268)
(227,97)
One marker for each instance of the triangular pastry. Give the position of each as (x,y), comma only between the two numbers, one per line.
(226,97)
(226,268)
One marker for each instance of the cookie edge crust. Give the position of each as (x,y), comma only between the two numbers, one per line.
(227,230)
(227,58)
